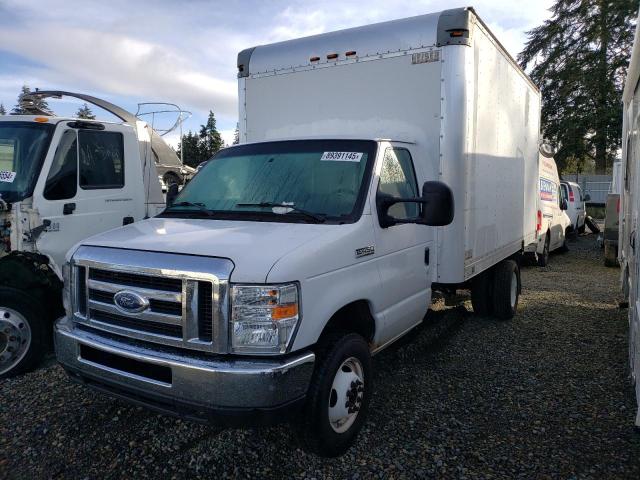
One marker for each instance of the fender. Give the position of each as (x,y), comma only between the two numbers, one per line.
(31,273)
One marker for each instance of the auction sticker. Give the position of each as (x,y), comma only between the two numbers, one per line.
(7,177)
(341,156)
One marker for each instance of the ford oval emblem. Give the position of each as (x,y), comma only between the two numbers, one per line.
(130,302)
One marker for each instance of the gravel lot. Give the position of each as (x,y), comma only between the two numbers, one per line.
(543,396)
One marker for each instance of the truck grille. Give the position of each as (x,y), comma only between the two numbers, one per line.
(179,311)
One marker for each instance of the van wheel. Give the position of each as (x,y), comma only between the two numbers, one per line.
(338,397)
(506,289)
(543,259)
(24,332)
(565,245)
(481,288)
(610,255)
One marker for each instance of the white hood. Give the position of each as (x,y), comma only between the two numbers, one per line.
(254,247)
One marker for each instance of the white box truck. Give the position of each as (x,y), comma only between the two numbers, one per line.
(293,257)
(630,211)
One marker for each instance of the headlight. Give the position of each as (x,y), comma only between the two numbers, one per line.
(263,317)
(66,290)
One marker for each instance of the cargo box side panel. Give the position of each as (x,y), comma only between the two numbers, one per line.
(499,159)
(503,165)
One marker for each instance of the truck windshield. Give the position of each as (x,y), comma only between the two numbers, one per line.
(23,146)
(313,181)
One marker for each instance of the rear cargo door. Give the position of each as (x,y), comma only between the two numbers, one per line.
(403,252)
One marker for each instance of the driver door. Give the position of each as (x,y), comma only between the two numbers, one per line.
(403,251)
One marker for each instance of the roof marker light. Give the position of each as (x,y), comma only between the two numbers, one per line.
(332,56)
(41,119)
(457,33)
(314,59)
(350,53)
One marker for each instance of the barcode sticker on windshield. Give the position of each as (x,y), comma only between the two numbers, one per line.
(341,156)
(7,177)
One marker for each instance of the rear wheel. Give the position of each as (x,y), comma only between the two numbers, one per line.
(565,245)
(338,397)
(543,259)
(610,255)
(506,289)
(24,332)
(481,288)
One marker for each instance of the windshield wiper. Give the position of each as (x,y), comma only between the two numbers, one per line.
(201,207)
(317,217)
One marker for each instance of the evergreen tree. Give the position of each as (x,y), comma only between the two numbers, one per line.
(236,135)
(579,58)
(190,150)
(2,109)
(210,139)
(30,105)
(85,112)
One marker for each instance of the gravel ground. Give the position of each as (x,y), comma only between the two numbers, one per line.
(543,396)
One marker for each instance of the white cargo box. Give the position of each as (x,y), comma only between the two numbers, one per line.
(441,82)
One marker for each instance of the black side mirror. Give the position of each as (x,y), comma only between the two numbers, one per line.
(438,206)
(563,204)
(172,193)
(436,201)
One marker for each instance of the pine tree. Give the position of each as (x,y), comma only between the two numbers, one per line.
(85,112)
(2,110)
(579,58)
(236,135)
(210,139)
(189,148)
(30,105)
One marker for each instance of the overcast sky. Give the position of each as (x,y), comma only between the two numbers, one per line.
(184,51)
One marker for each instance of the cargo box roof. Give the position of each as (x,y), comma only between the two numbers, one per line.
(397,35)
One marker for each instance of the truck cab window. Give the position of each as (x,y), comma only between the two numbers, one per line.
(101,159)
(398,179)
(62,182)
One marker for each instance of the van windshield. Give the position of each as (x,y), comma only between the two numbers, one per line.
(23,146)
(292,181)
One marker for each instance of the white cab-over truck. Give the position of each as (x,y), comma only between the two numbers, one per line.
(290,259)
(62,180)
(630,211)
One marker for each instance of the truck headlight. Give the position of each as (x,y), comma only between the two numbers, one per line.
(263,317)
(66,289)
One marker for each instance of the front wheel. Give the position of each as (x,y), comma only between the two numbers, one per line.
(506,289)
(338,397)
(543,259)
(23,332)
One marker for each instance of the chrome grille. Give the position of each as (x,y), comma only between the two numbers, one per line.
(182,307)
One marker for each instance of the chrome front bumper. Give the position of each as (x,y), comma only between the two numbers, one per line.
(198,386)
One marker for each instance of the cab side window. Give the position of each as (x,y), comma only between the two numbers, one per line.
(398,179)
(62,181)
(101,160)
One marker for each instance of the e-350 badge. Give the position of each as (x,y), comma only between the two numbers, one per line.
(364,251)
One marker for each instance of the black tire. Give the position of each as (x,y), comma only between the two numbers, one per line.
(543,259)
(610,255)
(581,229)
(505,273)
(565,245)
(31,313)
(481,293)
(314,428)
(591,223)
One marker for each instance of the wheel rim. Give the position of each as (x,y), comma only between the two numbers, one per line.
(15,338)
(346,395)
(514,289)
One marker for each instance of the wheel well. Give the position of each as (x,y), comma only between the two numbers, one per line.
(32,274)
(355,317)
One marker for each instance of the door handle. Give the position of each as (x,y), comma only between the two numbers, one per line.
(68,208)
(426,256)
